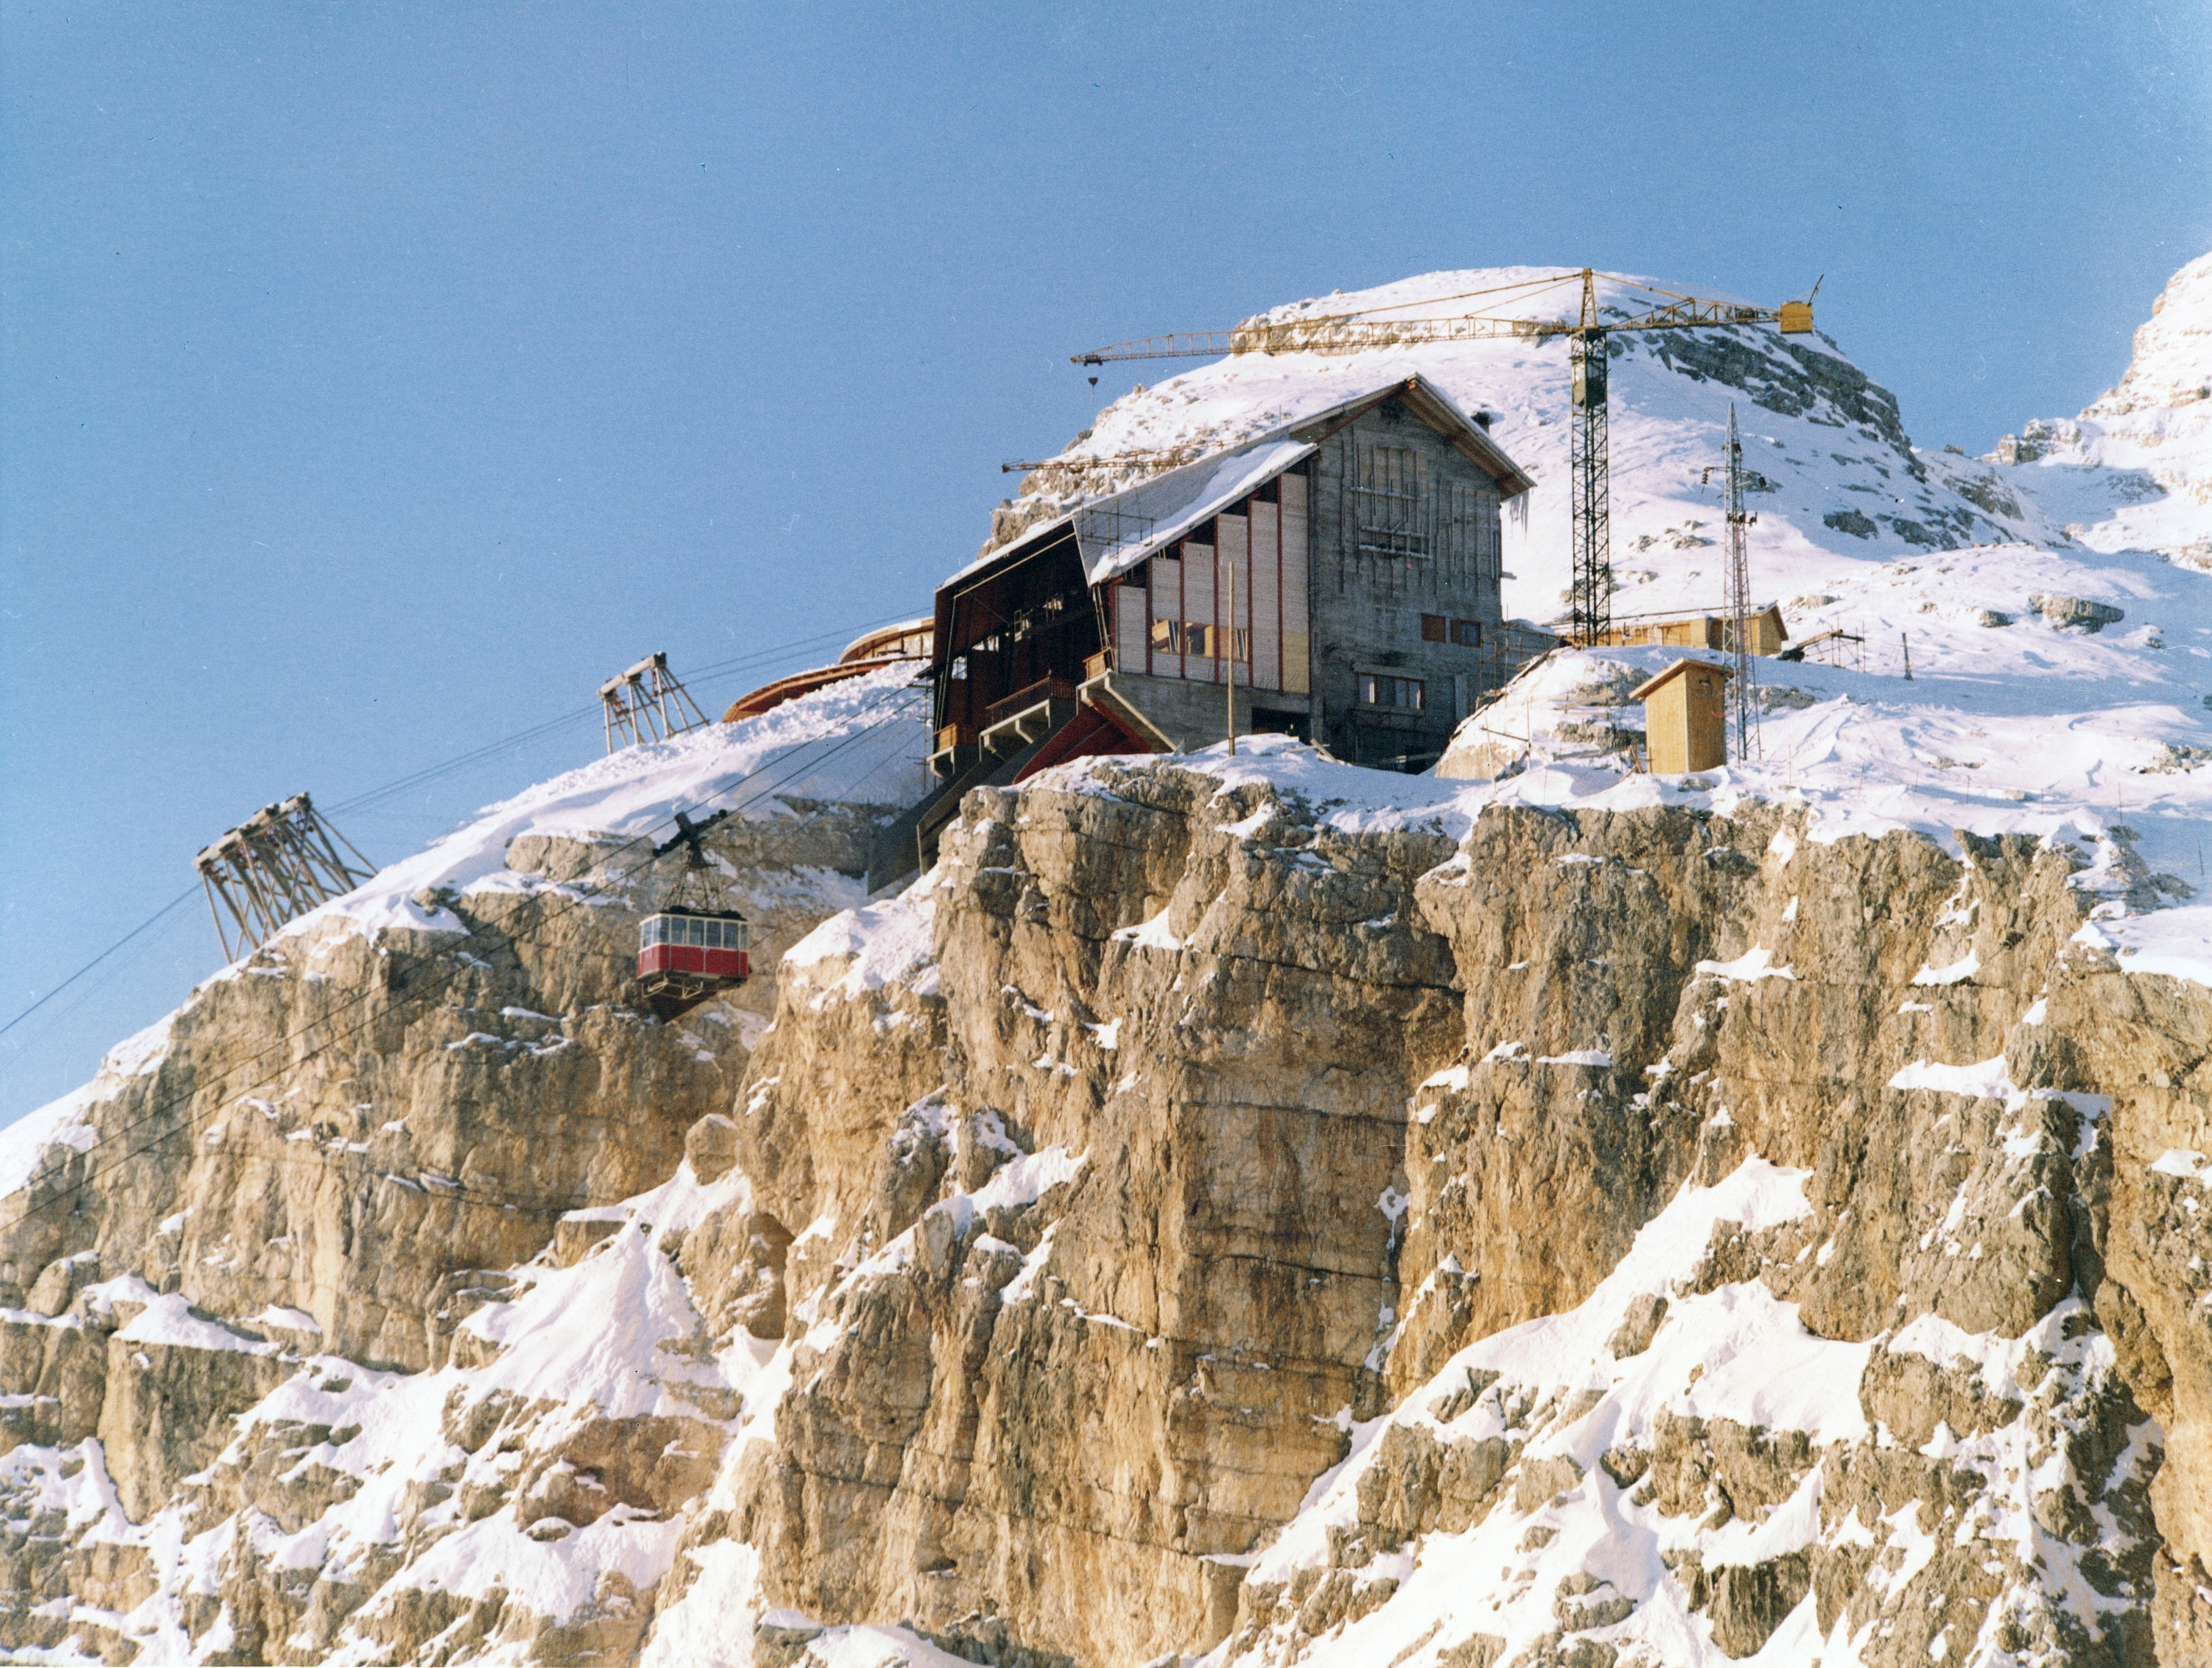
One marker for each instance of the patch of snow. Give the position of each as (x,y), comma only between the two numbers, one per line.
(1752,966)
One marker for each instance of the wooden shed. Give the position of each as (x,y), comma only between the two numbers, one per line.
(1715,630)
(1686,716)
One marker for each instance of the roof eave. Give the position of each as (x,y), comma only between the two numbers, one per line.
(1644,690)
(1468,435)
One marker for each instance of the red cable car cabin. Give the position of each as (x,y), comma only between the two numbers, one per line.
(686,956)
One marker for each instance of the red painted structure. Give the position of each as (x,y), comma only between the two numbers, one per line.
(686,956)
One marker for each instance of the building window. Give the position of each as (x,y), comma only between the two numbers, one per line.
(1467,633)
(1200,641)
(1393,518)
(1377,689)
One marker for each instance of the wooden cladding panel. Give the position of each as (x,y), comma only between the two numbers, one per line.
(1232,567)
(1187,633)
(1266,612)
(1198,565)
(1167,604)
(1130,627)
(1297,642)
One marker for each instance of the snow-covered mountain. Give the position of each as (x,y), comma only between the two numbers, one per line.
(1241,1211)
(2134,470)
(1840,475)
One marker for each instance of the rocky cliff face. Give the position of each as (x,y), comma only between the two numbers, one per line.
(1371,1100)
(1206,1216)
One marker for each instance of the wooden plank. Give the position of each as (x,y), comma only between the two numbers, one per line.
(1266,614)
(1297,587)
(1167,604)
(1198,569)
(1232,562)
(1130,626)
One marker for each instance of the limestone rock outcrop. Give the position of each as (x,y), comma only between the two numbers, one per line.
(1198,1218)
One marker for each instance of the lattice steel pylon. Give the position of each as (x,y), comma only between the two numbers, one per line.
(1591,597)
(647,703)
(1738,541)
(274,867)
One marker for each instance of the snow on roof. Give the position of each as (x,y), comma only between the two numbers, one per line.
(1118,533)
(1645,690)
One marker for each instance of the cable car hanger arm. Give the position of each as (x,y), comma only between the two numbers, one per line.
(688,832)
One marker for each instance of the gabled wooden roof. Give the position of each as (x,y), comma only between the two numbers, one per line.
(1645,691)
(1435,408)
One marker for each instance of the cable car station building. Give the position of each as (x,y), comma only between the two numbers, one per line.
(1344,573)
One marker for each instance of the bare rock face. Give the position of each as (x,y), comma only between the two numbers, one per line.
(2146,1036)
(1191,1220)
(1116,1352)
(320,1172)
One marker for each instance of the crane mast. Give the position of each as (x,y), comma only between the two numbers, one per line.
(1591,591)
(1590,598)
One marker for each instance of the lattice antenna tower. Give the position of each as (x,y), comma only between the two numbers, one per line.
(1738,542)
(647,703)
(274,867)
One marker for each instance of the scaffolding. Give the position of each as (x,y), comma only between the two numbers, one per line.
(647,703)
(274,867)
(1104,530)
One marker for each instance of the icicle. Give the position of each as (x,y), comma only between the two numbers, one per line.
(1520,503)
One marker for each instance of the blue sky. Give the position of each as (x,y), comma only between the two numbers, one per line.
(378,379)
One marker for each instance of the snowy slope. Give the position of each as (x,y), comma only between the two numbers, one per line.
(861,741)
(2135,470)
(1843,476)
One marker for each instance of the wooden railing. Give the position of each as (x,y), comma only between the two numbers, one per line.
(1044,689)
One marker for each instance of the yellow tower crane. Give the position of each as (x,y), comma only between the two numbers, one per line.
(1362,332)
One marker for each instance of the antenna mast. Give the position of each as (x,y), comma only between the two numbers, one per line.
(1739,594)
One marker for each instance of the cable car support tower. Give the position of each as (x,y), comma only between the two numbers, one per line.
(647,703)
(273,868)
